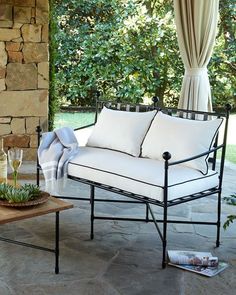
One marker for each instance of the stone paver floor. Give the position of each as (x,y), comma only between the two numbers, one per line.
(124,257)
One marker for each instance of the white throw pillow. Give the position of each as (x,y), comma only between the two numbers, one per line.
(182,138)
(121,131)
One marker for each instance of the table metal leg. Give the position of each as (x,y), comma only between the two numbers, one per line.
(57,244)
(55,250)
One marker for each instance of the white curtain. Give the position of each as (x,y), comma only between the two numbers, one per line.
(196,23)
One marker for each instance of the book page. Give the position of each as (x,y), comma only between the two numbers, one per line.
(203,270)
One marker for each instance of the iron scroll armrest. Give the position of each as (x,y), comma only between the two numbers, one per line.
(197,156)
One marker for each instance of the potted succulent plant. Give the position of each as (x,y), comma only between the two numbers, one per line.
(24,193)
(230,218)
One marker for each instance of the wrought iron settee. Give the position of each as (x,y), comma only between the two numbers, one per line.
(144,176)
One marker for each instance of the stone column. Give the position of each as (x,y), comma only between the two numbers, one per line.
(24,72)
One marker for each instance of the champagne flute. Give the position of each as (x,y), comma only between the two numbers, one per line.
(15,156)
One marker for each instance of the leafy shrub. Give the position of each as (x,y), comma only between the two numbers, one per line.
(128,50)
(230,218)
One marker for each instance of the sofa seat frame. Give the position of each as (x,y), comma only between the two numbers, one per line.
(147,202)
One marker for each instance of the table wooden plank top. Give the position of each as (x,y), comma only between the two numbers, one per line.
(10,214)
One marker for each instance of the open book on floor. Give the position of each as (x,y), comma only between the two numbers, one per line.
(199,262)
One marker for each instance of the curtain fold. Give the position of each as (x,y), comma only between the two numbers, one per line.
(196,24)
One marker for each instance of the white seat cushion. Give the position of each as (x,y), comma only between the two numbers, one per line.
(182,138)
(121,131)
(138,175)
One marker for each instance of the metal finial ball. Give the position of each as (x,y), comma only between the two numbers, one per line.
(155,99)
(166,156)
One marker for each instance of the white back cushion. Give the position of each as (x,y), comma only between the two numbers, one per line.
(183,138)
(121,131)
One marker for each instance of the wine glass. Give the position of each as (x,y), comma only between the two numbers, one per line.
(15,156)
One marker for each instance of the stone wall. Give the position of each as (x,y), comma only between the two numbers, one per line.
(24,72)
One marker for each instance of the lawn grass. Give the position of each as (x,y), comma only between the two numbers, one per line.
(231,153)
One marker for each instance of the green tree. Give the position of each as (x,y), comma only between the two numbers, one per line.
(53,89)
(128,50)
(124,49)
(222,68)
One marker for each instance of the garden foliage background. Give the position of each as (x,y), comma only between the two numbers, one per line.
(127,49)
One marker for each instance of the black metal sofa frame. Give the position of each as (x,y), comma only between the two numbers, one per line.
(165,204)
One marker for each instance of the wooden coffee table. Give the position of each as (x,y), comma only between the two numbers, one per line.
(53,205)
